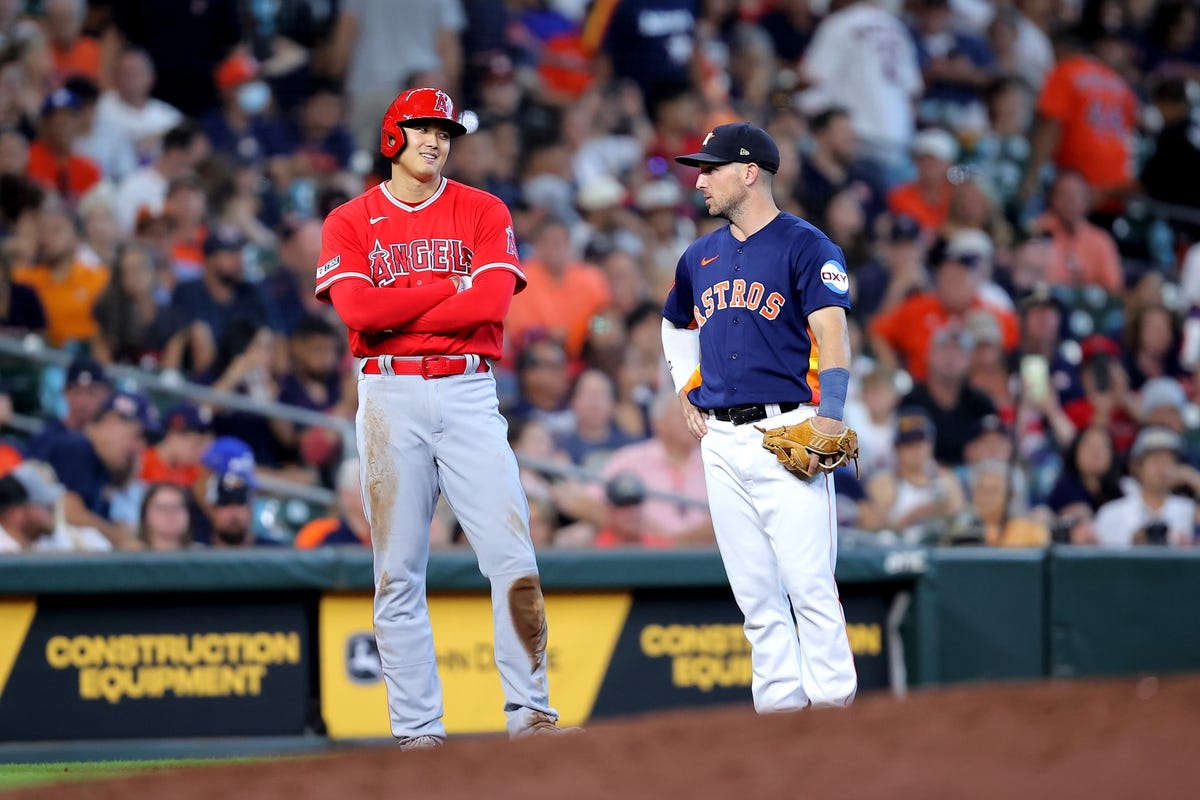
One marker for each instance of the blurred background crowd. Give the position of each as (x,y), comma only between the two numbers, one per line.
(1014,184)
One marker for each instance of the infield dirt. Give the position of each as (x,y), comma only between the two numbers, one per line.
(1133,738)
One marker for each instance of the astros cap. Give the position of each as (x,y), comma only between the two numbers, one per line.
(735,141)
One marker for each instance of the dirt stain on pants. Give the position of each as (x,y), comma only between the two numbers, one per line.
(380,471)
(528,610)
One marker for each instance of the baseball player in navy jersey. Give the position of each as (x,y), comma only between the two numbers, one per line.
(422,270)
(754,333)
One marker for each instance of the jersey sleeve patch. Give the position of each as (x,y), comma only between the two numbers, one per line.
(834,276)
(328,267)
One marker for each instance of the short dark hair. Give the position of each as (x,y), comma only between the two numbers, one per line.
(312,325)
(823,119)
(181,137)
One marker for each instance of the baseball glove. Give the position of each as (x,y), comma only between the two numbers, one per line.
(794,446)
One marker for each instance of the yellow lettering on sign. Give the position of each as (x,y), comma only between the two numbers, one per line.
(140,666)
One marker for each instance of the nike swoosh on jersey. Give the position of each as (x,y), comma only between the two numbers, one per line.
(376,219)
(704,262)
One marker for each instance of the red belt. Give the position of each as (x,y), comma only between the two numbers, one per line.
(427,367)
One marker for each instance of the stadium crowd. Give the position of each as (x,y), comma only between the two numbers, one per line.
(1016,199)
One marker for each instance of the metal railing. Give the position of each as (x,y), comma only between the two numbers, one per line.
(33,349)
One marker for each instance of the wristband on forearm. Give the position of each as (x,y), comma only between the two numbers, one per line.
(834,384)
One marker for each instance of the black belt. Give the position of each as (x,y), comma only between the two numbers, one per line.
(743,415)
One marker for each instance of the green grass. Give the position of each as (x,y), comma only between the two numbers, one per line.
(13,776)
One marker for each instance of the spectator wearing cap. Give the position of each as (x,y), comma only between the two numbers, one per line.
(1041,322)
(895,273)
(1162,402)
(1107,399)
(86,389)
(991,440)
(1083,254)
(349,526)
(53,162)
(607,226)
(221,294)
(1086,117)
(625,516)
(314,383)
(563,294)
(27,502)
(143,191)
(927,197)
(175,458)
(946,396)
(75,53)
(862,55)
(832,166)
(666,232)
(913,501)
(1151,512)
(129,113)
(228,494)
(906,331)
(99,467)
(242,127)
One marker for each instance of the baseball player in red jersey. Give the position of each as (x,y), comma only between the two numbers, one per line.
(422,270)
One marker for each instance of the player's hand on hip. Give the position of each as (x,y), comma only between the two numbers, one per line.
(693,416)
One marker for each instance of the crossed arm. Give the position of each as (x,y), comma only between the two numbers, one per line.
(436,308)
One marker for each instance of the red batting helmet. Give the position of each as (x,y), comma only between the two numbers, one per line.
(411,107)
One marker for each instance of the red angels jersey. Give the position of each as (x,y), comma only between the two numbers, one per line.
(376,238)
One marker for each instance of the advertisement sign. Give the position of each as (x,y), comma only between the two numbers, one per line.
(610,654)
(135,668)
(681,651)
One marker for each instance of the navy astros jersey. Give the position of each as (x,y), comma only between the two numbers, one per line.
(751,301)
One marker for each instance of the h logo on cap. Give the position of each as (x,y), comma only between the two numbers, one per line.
(707,139)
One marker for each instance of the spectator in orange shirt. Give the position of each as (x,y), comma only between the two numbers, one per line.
(67,288)
(1086,117)
(563,294)
(187,433)
(927,199)
(52,160)
(74,53)
(906,332)
(1083,254)
(350,526)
